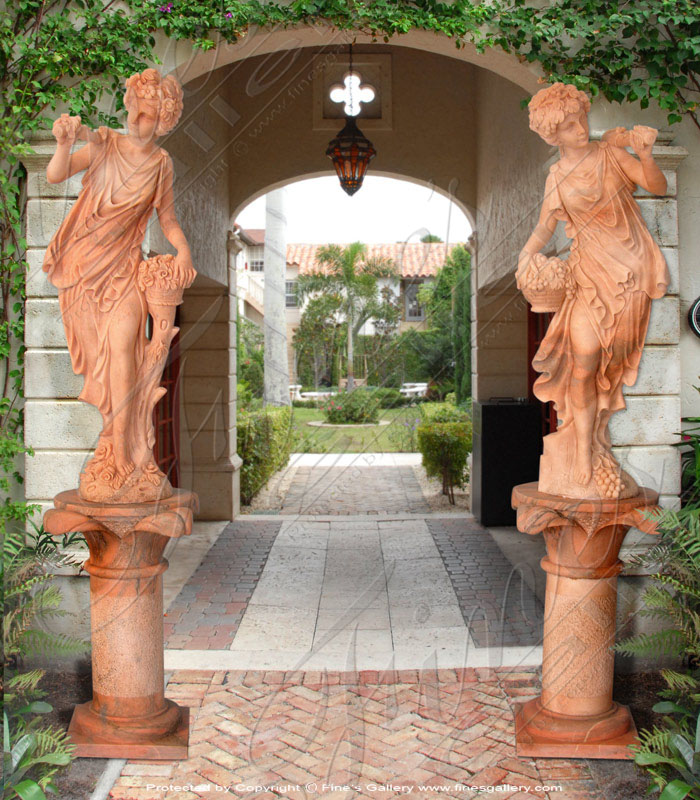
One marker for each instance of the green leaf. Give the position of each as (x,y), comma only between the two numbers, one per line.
(645,759)
(37,707)
(29,790)
(676,790)
(24,745)
(684,748)
(667,707)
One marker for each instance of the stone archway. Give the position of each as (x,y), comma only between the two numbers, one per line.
(436,136)
(457,123)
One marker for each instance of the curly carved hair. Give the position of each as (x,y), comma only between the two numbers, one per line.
(550,106)
(150,84)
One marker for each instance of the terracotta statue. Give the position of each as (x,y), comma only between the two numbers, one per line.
(107,290)
(601,294)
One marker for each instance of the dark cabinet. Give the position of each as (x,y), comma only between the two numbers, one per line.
(507,444)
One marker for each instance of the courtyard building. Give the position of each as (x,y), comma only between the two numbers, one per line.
(416,263)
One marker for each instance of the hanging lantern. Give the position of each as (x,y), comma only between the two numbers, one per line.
(351,151)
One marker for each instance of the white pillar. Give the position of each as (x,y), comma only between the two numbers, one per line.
(276,383)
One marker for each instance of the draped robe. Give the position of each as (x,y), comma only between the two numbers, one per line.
(618,269)
(94,256)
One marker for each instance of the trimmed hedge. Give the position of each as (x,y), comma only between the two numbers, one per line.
(442,412)
(264,444)
(388,397)
(445,447)
(308,403)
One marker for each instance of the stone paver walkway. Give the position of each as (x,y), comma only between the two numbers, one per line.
(352,593)
(318,735)
(354,489)
(497,605)
(207,612)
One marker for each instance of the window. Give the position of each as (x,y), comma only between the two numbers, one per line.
(256,262)
(414,310)
(290,294)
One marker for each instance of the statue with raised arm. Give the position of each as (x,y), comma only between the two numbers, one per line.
(601,294)
(107,290)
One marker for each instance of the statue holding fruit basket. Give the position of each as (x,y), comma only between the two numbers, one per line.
(601,294)
(107,291)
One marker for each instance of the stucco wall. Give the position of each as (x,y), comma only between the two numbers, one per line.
(201,184)
(432,137)
(511,174)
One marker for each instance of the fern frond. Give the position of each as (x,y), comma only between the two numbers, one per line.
(25,681)
(25,586)
(53,740)
(657,740)
(659,643)
(685,587)
(35,642)
(658,598)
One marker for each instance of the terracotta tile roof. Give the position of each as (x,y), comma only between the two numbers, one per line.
(253,236)
(414,259)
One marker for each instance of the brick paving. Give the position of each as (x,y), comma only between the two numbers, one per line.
(207,612)
(282,731)
(354,490)
(498,607)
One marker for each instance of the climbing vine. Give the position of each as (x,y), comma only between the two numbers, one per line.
(73,54)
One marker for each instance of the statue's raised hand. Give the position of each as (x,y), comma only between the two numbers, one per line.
(66,129)
(642,140)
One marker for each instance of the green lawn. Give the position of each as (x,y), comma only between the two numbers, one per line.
(397,437)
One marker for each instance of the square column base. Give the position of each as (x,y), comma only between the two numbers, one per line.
(171,747)
(529,743)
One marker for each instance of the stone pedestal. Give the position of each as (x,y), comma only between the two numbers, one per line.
(128,716)
(575,716)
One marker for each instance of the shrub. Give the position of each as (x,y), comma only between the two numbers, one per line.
(244,396)
(356,407)
(251,372)
(264,445)
(670,753)
(445,447)
(389,398)
(451,397)
(442,412)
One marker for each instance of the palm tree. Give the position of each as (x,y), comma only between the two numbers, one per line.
(348,273)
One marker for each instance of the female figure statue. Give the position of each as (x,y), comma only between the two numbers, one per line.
(594,342)
(95,261)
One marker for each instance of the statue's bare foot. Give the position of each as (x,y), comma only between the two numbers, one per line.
(125,469)
(583,470)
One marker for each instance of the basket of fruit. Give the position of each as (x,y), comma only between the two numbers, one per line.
(160,281)
(546,283)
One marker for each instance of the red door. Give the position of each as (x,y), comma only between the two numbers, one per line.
(537,325)
(166,416)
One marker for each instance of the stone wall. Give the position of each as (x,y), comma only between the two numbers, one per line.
(209,465)
(61,429)
(644,434)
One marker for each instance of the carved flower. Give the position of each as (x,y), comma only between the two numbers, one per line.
(108,475)
(159,273)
